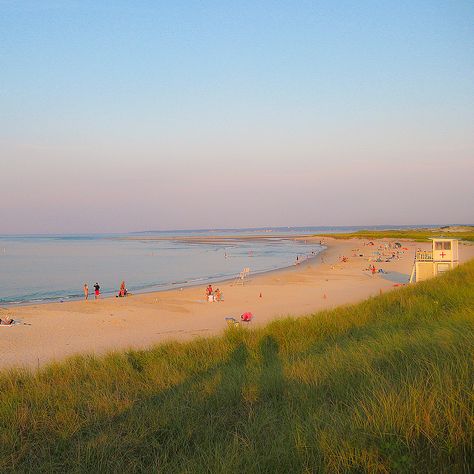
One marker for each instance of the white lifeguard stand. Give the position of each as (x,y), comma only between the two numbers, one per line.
(444,256)
(243,276)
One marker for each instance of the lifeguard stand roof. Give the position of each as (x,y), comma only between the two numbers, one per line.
(443,238)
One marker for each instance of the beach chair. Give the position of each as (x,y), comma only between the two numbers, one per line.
(231,322)
(243,275)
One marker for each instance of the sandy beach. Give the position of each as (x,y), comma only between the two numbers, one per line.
(54,331)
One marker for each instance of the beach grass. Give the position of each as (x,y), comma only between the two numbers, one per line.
(418,235)
(381,386)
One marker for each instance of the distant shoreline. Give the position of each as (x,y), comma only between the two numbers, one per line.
(218,238)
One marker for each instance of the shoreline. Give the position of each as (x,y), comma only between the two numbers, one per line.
(175,286)
(7,306)
(56,331)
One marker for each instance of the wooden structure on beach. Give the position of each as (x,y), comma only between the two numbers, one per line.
(243,276)
(444,256)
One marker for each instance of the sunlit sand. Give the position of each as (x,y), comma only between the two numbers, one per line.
(58,330)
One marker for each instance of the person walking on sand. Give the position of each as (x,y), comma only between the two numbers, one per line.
(86,291)
(97,291)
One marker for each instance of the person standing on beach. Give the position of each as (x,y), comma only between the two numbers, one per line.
(86,291)
(209,293)
(97,290)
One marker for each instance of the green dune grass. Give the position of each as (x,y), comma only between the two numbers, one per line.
(381,386)
(418,235)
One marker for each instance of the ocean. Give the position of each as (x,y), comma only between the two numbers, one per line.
(42,268)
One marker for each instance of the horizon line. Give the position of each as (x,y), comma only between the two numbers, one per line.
(217,229)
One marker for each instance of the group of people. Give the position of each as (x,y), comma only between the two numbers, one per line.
(373,270)
(122,292)
(96,291)
(387,251)
(213,295)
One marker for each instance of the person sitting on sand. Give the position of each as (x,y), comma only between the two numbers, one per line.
(6,321)
(123,290)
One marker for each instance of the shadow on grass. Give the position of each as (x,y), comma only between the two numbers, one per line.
(166,430)
(272,383)
(202,423)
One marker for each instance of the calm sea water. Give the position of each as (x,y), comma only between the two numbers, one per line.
(55,267)
(38,269)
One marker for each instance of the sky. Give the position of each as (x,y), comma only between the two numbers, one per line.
(120,116)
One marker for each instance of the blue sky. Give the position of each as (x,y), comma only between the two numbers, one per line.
(118,116)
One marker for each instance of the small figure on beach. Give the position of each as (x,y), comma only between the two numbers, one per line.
(217,295)
(209,293)
(6,320)
(123,290)
(86,291)
(97,290)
